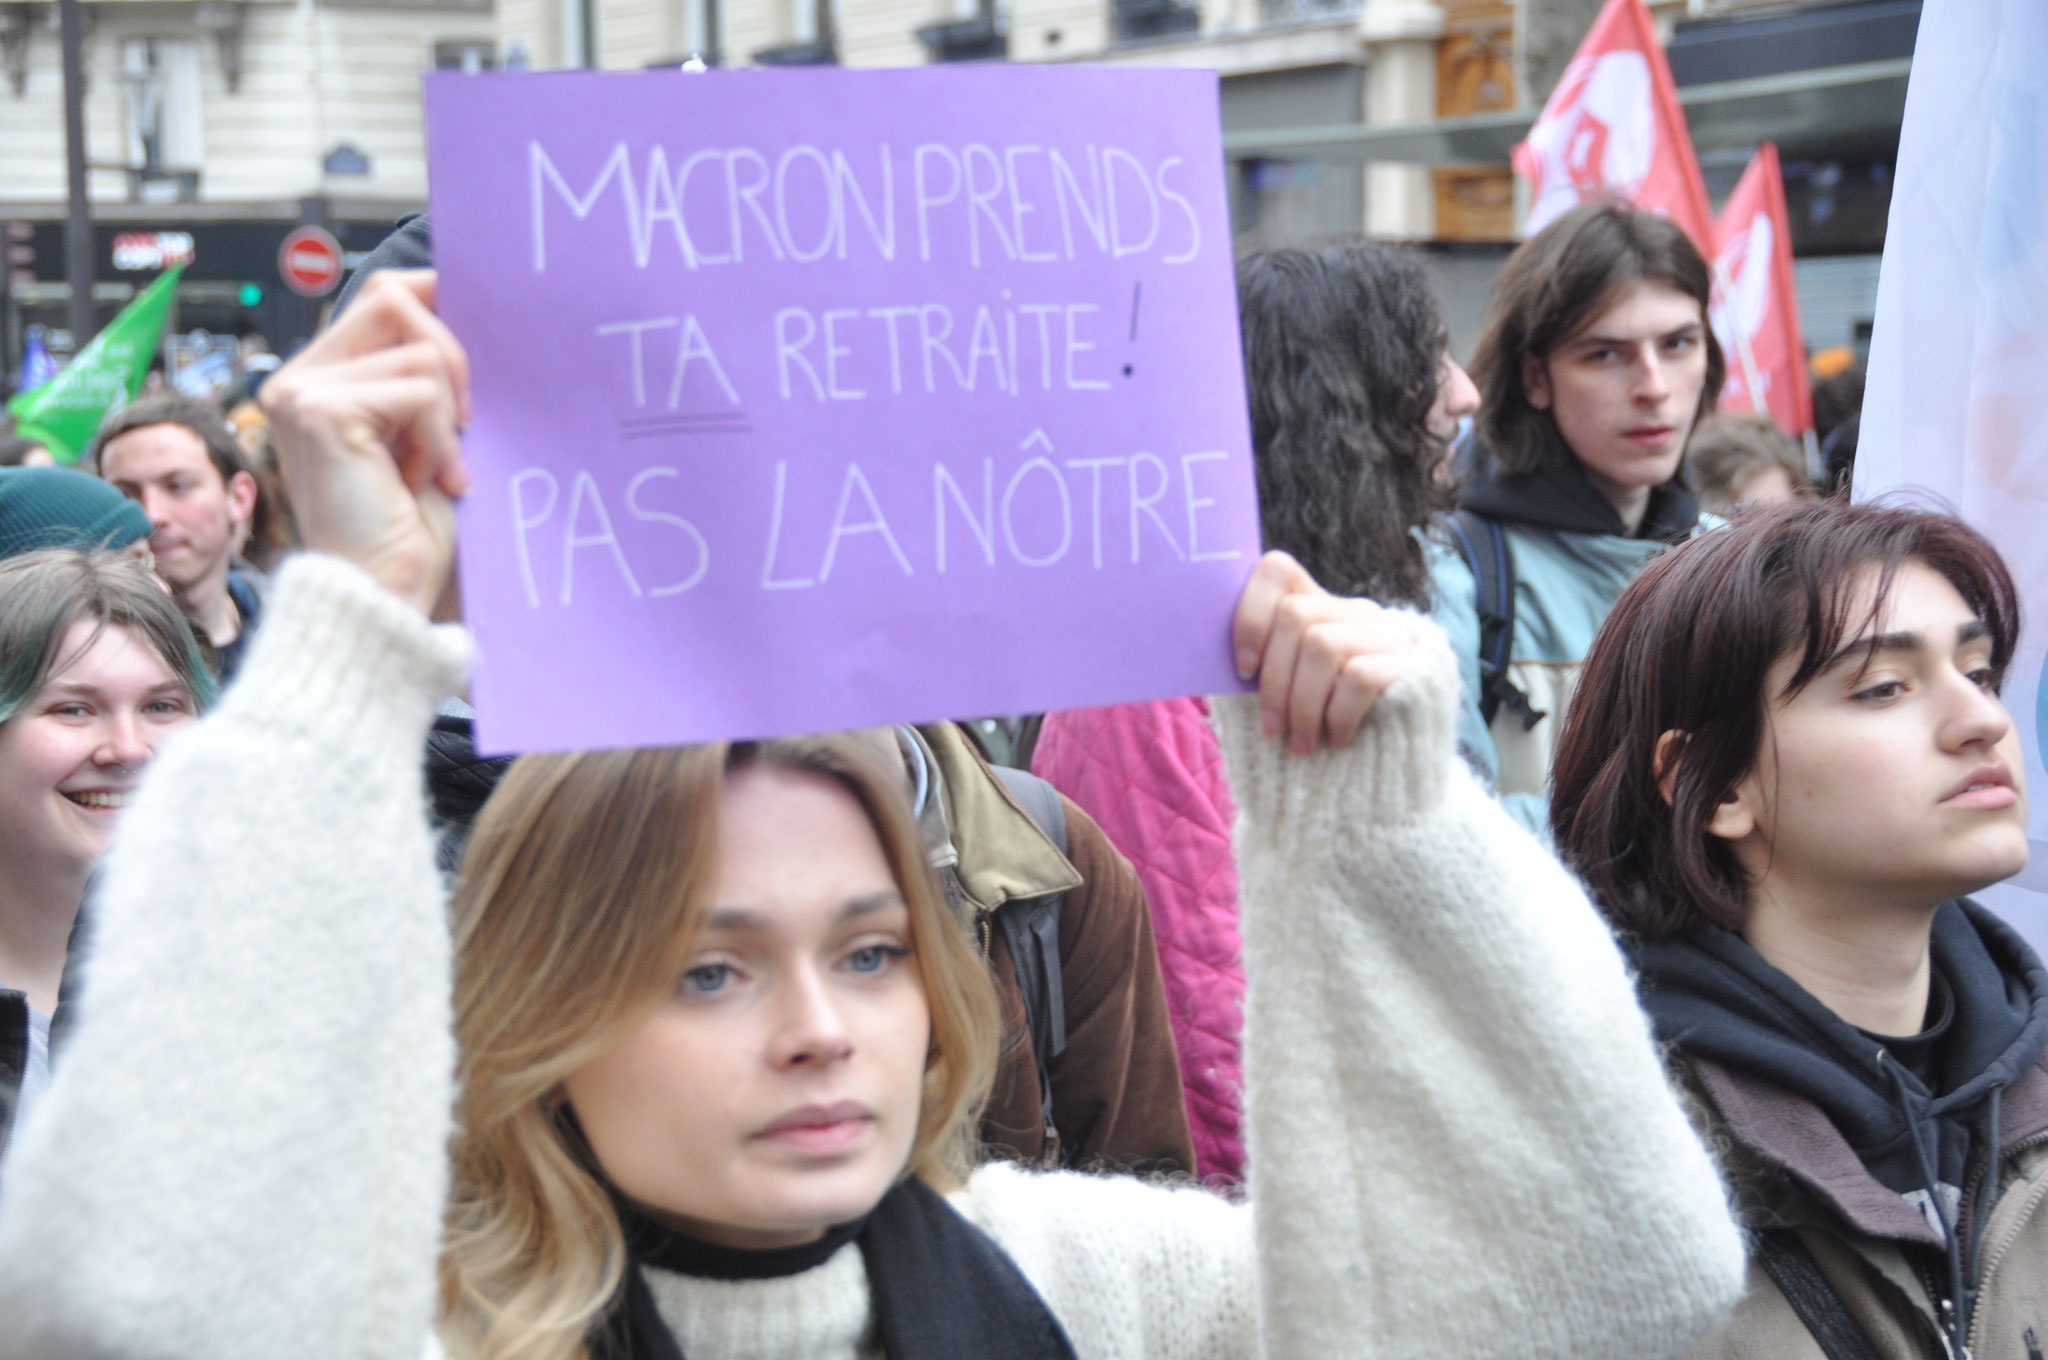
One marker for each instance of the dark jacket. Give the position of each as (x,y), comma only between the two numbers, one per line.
(1116,1088)
(1884,1178)
(245,588)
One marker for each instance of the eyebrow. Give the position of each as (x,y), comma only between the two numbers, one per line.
(1871,644)
(746,921)
(1630,339)
(71,687)
(86,687)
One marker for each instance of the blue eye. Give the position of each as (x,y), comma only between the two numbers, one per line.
(706,979)
(876,958)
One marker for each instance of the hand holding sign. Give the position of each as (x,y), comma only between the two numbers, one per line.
(366,421)
(1322,661)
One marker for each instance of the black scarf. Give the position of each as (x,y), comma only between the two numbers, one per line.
(942,1289)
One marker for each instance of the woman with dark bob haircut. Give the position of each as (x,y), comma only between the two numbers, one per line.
(1785,766)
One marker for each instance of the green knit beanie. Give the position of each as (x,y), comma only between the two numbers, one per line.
(56,507)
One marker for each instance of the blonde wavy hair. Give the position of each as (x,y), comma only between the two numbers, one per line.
(579,902)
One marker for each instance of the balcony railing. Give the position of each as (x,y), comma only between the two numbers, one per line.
(984,37)
(1303,11)
(1139,20)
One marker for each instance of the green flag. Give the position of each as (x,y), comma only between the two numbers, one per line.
(65,413)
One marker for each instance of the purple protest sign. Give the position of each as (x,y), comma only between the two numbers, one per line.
(818,399)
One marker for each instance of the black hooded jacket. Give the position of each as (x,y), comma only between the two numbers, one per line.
(1561,497)
(1714,998)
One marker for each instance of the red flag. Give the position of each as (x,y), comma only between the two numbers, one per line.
(1613,129)
(1756,308)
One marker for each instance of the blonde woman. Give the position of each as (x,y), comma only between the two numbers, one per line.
(719,1045)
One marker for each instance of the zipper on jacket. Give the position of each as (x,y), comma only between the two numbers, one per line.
(1948,1326)
(1942,1323)
(1989,1261)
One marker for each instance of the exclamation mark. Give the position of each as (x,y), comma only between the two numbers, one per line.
(1134,321)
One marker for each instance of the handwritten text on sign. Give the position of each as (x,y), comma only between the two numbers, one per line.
(818,399)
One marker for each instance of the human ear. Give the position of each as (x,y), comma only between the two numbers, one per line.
(1536,382)
(1737,815)
(241,497)
(1664,764)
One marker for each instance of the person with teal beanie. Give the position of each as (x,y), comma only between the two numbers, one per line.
(56,507)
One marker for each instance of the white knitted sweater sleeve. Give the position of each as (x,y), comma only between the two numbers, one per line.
(243,1152)
(1460,1138)
(1461,1142)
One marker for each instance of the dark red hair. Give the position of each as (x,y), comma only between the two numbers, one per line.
(1688,649)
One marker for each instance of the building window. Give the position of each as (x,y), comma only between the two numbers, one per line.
(165,127)
(1139,20)
(803,19)
(974,30)
(466,56)
(579,33)
(700,30)
(813,38)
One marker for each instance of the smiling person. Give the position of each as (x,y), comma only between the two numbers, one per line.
(1784,769)
(176,457)
(716,1043)
(1595,365)
(97,669)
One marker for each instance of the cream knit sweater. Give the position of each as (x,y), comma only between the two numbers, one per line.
(1461,1143)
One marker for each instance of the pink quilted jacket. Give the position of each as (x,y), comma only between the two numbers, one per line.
(1152,775)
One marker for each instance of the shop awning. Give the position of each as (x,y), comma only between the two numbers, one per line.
(1828,113)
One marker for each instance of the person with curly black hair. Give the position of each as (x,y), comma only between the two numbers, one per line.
(1355,399)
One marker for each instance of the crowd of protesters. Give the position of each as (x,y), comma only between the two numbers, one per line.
(1565,949)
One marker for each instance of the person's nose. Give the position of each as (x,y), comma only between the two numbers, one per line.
(1461,394)
(810,1029)
(1653,384)
(125,742)
(156,505)
(1975,717)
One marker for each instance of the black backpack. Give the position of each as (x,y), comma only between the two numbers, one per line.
(1031,926)
(1484,546)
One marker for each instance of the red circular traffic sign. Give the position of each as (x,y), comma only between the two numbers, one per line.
(309,261)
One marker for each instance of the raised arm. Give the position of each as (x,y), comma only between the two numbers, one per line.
(1461,1140)
(243,1151)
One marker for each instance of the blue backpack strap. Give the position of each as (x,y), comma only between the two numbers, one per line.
(1484,546)
(1031,926)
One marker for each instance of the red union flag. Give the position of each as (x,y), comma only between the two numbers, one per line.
(1756,309)
(1613,129)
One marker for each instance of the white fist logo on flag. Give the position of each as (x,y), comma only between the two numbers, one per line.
(1742,296)
(1596,135)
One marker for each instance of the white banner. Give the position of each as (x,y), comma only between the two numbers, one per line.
(1957,400)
